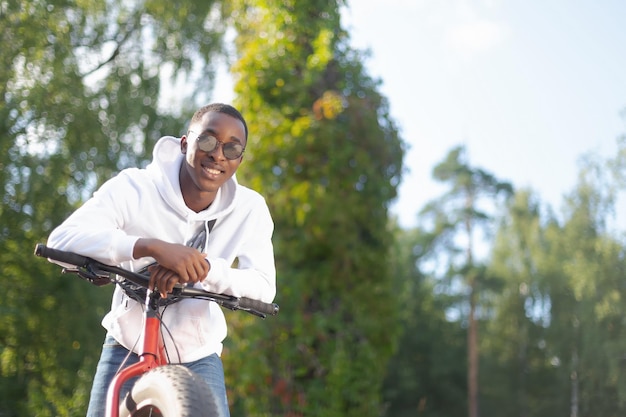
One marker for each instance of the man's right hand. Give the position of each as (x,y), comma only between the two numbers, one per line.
(176,263)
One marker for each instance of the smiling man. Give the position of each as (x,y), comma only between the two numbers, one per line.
(186,216)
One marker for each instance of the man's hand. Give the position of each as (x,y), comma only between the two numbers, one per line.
(176,264)
(162,279)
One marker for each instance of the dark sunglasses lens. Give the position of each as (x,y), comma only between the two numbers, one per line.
(232,150)
(207,143)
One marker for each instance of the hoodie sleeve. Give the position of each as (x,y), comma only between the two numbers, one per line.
(255,274)
(96,228)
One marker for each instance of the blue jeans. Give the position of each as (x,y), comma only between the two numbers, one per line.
(113,356)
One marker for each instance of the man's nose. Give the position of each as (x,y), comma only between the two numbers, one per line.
(218,152)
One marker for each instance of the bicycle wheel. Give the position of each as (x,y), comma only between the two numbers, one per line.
(169,391)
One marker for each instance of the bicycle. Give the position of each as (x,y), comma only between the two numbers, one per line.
(163,389)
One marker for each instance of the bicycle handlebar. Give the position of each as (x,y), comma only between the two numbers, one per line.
(255,307)
(61,256)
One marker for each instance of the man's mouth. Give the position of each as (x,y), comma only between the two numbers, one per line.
(212,171)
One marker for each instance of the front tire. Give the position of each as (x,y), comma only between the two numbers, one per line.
(170,391)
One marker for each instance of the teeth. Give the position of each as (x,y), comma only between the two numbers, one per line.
(212,171)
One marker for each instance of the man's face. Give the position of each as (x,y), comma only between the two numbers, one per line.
(205,172)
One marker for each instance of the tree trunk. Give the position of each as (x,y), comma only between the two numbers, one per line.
(574,385)
(472,355)
(472,329)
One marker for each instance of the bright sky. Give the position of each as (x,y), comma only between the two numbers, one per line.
(527,86)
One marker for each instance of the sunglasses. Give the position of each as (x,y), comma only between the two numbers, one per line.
(208,143)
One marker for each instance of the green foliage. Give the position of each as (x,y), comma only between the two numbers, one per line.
(519,372)
(80,82)
(325,153)
(364,328)
(456,218)
(556,339)
(47,349)
(426,375)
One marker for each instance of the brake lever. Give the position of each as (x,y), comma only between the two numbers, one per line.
(255,313)
(89,275)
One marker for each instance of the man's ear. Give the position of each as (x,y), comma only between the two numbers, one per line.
(183,145)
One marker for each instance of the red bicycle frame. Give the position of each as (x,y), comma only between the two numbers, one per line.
(152,355)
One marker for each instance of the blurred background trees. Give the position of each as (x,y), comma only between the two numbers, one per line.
(491,294)
(328,158)
(81,84)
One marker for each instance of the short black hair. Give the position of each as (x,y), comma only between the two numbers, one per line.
(220,108)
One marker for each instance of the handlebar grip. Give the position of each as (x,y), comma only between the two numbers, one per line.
(60,256)
(260,306)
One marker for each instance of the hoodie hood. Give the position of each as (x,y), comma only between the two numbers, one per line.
(165,173)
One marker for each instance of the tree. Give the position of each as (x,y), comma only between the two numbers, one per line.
(588,327)
(81,84)
(425,376)
(461,209)
(555,339)
(519,376)
(327,156)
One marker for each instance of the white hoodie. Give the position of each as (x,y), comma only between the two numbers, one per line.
(148,203)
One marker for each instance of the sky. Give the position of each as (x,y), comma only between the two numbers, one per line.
(527,86)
